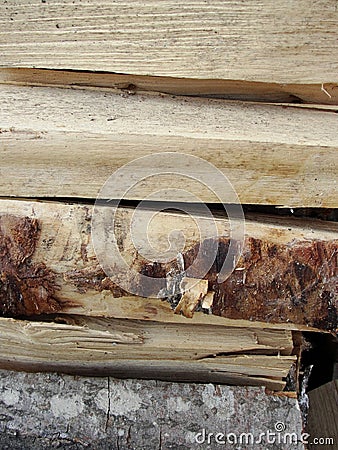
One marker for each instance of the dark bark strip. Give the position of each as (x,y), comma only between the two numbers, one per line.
(25,288)
(278,283)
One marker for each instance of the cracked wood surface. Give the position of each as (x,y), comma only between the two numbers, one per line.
(286,276)
(132,349)
(53,140)
(292,42)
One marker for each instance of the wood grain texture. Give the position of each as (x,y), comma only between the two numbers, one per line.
(323,96)
(286,277)
(53,140)
(132,349)
(130,339)
(323,416)
(288,42)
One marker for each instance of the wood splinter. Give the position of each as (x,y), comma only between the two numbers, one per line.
(194,290)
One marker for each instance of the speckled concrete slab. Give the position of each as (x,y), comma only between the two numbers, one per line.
(62,411)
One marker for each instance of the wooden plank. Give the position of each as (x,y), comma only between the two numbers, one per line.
(271,155)
(323,416)
(292,42)
(124,348)
(286,274)
(310,95)
(127,339)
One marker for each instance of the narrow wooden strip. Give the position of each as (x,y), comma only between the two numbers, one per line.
(166,370)
(323,96)
(52,141)
(293,42)
(322,422)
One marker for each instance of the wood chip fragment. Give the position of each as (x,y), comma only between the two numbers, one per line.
(194,291)
(208,300)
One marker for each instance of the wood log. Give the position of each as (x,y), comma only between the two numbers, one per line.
(293,42)
(286,276)
(243,330)
(52,141)
(148,350)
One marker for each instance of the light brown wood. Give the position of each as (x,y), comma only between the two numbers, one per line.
(288,42)
(127,348)
(195,290)
(53,140)
(323,96)
(128,339)
(63,245)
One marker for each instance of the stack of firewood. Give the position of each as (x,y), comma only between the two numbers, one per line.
(130,91)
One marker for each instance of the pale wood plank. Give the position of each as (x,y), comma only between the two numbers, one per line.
(286,42)
(128,339)
(53,140)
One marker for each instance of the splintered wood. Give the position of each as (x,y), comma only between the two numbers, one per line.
(148,349)
(194,291)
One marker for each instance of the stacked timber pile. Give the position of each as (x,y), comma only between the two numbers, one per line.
(88,88)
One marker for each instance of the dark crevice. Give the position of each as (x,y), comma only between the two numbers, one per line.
(108,408)
(327,214)
(321,352)
(267,352)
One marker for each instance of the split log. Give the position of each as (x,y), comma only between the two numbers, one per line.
(256,42)
(148,350)
(286,276)
(53,140)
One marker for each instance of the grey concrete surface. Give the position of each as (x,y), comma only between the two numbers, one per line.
(48,410)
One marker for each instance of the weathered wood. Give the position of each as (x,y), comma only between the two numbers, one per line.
(47,410)
(53,140)
(323,96)
(126,339)
(323,416)
(148,350)
(292,42)
(286,274)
